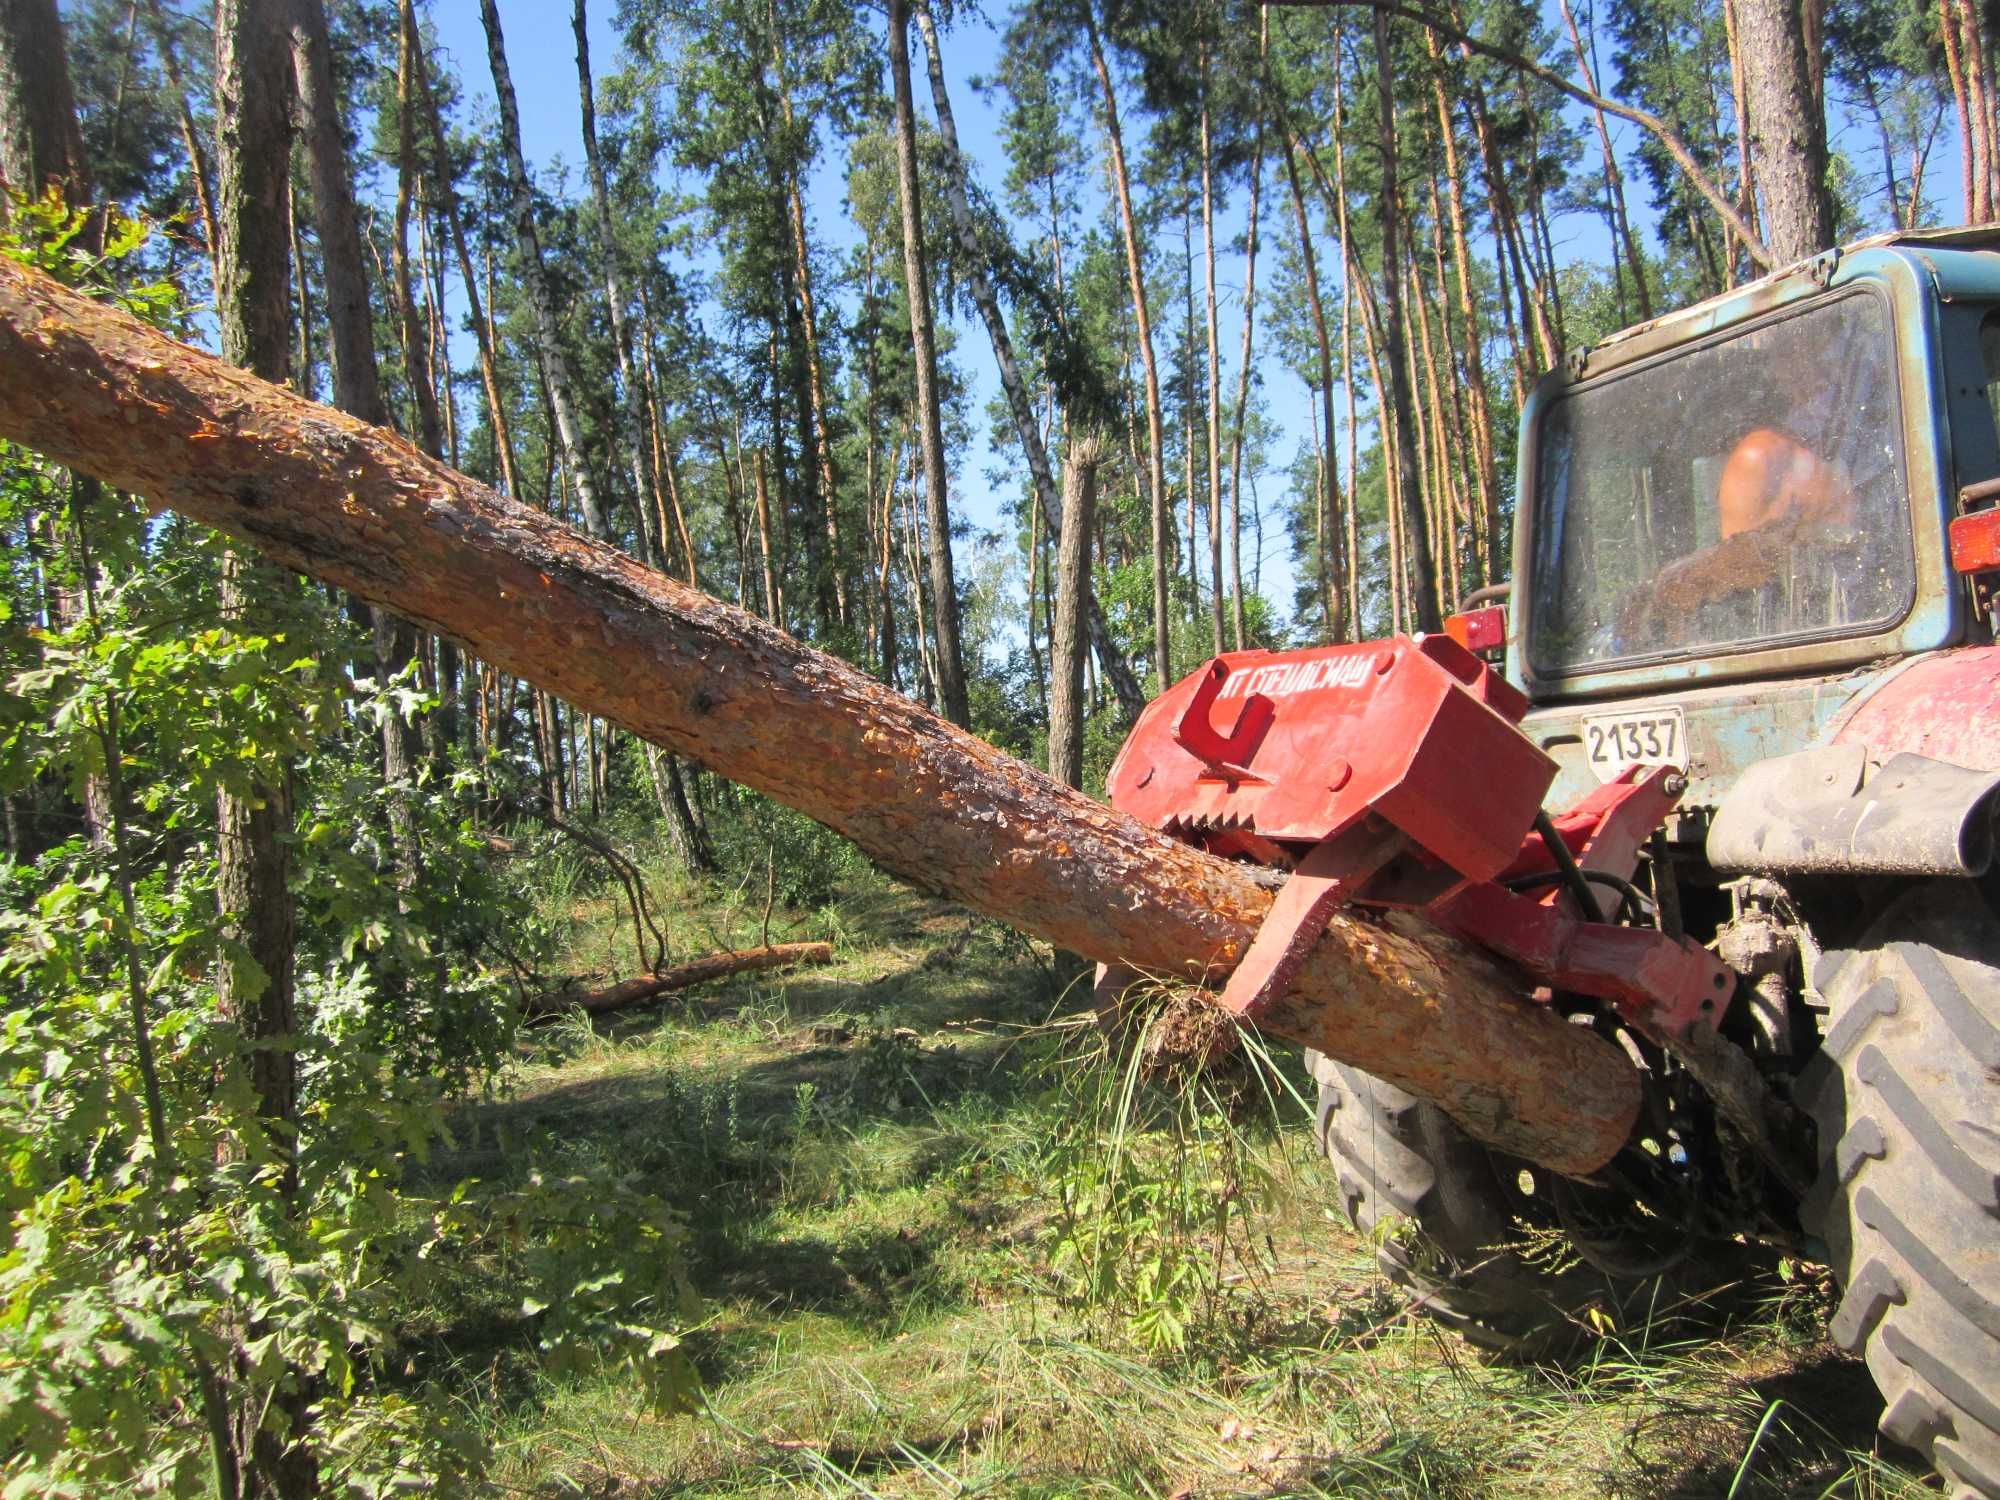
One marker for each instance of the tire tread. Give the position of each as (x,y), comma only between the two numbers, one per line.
(1908,1201)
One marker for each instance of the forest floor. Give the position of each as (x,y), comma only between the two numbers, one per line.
(870,1160)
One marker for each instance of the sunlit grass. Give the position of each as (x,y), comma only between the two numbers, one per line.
(863,1154)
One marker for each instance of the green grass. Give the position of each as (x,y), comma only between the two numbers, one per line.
(871,1161)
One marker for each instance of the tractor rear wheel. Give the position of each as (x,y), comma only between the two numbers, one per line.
(1468,1248)
(1906,1094)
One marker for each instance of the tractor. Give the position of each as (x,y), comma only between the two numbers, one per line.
(1717,775)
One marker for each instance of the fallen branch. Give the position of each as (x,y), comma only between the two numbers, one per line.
(683,976)
(630,877)
(319,491)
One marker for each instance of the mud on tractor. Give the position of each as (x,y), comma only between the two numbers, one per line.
(1719,779)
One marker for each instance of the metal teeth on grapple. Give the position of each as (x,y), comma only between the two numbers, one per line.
(1182,823)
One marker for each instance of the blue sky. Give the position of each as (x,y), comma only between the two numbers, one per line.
(541,54)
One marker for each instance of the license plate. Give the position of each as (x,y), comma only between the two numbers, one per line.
(1646,737)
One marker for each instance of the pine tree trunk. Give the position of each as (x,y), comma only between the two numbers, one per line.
(94,388)
(1746,193)
(1036,673)
(253,129)
(1131,696)
(1423,582)
(1787,131)
(822,441)
(640,455)
(1474,342)
(41,149)
(1979,76)
(416,367)
(1614,181)
(774,600)
(1067,709)
(1338,192)
(885,575)
(1214,368)
(41,143)
(191,141)
(534,275)
(489,375)
(645,479)
(356,386)
(930,422)
(1189,363)
(1242,412)
(253,830)
(1333,592)
(1135,270)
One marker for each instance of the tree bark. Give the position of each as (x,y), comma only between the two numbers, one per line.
(1984,102)
(923,340)
(614,292)
(683,834)
(683,976)
(253,830)
(1331,568)
(822,440)
(1746,193)
(1614,181)
(416,365)
(253,130)
(1135,271)
(1241,415)
(1214,368)
(1661,131)
(1787,131)
(41,149)
(774,601)
(357,387)
(1124,684)
(447,195)
(94,388)
(1424,612)
(1475,358)
(555,364)
(204,197)
(41,144)
(1338,133)
(1067,709)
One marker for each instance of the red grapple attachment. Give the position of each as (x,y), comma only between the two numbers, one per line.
(1318,740)
(1392,774)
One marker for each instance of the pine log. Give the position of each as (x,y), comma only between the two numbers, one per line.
(684,976)
(366,511)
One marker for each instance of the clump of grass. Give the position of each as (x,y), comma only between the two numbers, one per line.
(1160,1166)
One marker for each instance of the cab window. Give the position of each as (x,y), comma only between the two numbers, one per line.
(1740,493)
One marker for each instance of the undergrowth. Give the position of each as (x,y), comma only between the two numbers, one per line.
(951,1238)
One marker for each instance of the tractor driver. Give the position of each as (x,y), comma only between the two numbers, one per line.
(1770,475)
(1783,515)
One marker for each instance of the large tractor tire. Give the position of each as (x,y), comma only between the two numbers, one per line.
(1906,1095)
(1460,1246)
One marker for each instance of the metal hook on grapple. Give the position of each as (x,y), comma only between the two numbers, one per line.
(1195,732)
